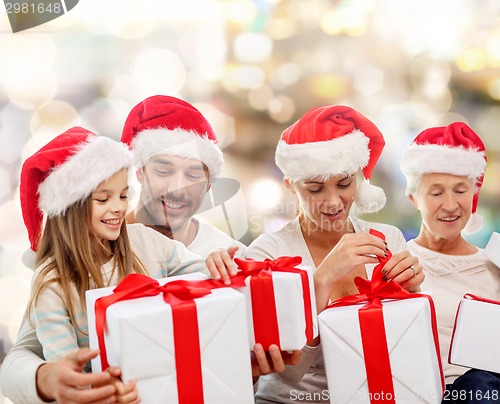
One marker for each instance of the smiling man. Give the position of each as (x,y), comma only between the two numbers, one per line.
(177,158)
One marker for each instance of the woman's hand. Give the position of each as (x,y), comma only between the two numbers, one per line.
(273,361)
(404,269)
(352,250)
(221,265)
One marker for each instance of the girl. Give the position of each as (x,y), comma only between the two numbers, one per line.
(320,155)
(79,182)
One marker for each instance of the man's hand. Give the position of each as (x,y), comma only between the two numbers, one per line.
(64,381)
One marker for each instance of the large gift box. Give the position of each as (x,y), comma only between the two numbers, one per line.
(381,345)
(181,340)
(281,305)
(476,333)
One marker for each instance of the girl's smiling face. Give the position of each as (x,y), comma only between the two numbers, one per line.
(109,206)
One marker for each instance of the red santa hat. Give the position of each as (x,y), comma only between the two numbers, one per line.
(65,171)
(333,140)
(167,125)
(454,149)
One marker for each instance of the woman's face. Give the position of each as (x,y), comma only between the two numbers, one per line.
(325,202)
(445,203)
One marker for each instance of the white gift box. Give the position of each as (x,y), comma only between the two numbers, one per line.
(474,342)
(492,249)
(140,341)
(413,353)
(289,307)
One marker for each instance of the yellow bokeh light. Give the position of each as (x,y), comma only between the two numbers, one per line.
(240,11)
(346,20)
(281,28)
(494,89)
(329,86)
(471,60)
(55,115)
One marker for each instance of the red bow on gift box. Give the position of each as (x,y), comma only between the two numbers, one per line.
(179,295)
(371,321)
(265,320)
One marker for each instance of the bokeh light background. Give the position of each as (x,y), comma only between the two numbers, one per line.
(252,67)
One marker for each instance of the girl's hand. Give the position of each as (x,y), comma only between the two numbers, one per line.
(221,265)
(125,392)
(404,269)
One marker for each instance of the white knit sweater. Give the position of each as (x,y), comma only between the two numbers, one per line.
(450,277)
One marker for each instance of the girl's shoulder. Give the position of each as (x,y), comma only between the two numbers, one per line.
(44,268)
(137,232)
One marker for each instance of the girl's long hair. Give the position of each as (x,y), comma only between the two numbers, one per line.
(68,257)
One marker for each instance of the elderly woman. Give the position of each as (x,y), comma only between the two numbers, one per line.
(445,167)
(320,156)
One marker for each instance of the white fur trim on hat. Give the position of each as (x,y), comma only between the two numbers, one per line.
(342,155)
(178,142)
(474,224)
(430,158)
(75,179)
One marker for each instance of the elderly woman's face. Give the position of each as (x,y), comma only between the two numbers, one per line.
(326,202)
(445,203)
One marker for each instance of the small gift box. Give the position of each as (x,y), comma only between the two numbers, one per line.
(474,342)
(281,305)
(381,345)
(181,340)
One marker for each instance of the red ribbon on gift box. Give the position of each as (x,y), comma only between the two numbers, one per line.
(179,295)
(467,296)
(265,319)
(470,296)
(372,329)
